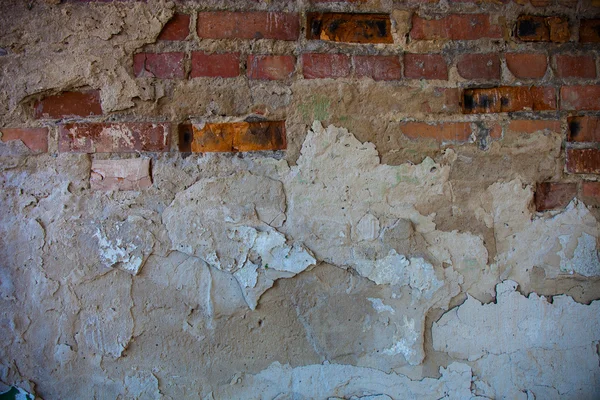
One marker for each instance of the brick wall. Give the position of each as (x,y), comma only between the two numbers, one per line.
(511,66)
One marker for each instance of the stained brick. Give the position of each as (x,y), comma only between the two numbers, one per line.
(583,161)
(122,175)
(534,28)
(270,67)
(531,125)
(178,28)
(238,137)
(114,137)
(550,195)
(225,65)
(425,66)
(36,139)
(455,27)
(589,31)
(527,65)
(580,97)
(351,28)
(442,132)
(583,129)
(69,104)
(575,66)
(319,65)
(248,25)
(590,191)
(479,66)
(508,99)
(379,68)
(158,65)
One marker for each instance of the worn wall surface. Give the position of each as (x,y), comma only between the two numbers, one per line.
(300,199)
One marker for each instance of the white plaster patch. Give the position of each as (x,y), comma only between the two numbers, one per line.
(380,307)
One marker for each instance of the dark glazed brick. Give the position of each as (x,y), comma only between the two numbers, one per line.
(508,99)
(533,28)
(550,196)
(114,137)
(350,28)
(69,104)
(583,129)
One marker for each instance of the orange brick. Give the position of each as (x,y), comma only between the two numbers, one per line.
(508,99)
(347,27)
(237,137)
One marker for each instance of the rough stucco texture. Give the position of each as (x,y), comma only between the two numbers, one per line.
(299,200)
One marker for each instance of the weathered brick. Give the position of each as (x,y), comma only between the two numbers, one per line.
(69,104)
(442,132)
(534,28)
(158,65)
(270,67)
(321,65)
(589,31)
(479,66)
(379,68)
(575,66)
(583,161)
(248,25)
(580,97)
(583,129)
(553,195)
(120,175)
(508,99)
(527,65)
(455,27)
(225,65)
(238,137)
(347,27)
(36,139)
(114,137)
(178,28)
(533,125)
(425,66)
(590,191)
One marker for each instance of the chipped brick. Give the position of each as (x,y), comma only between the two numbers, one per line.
(69,104)
(36,139)
(158,65)
(551,195)
(120,175)
(178,28)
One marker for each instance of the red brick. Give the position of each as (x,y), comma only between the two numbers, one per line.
(550,195)
(534,28)
(583,161)
(321,65)
(425,66)
(238,137)
(455,27)
(270,67)
(533,125)
(36,139)
(379,68)
(225,65)
(570,66)
(158,65)
(69,104)
(248,25)
(508,99)
(479,66)
(580,97)
(589,31)
(348,27)
(442,132)
(527,65)
(114,137)
(583,129)
(590,190)
(178,28)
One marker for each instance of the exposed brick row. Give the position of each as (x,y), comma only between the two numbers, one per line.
(375,27)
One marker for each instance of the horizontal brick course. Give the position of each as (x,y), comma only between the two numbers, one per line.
(114,137)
